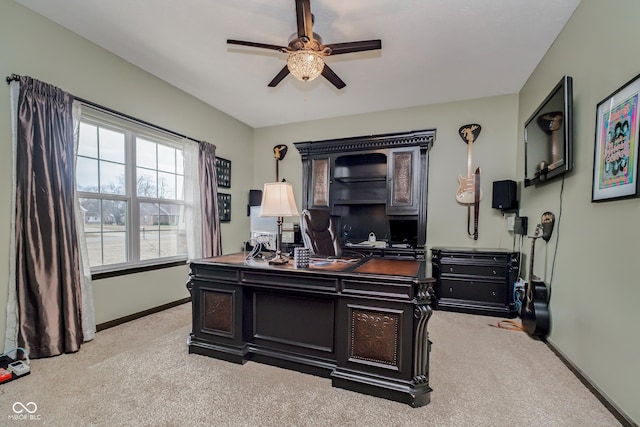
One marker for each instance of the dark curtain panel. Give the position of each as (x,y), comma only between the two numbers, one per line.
(211,238)
(47,266)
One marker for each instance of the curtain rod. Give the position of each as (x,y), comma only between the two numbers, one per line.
(16,77)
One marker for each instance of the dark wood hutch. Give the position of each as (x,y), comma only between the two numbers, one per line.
(373,184)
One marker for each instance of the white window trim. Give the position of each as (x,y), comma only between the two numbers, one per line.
(131,129)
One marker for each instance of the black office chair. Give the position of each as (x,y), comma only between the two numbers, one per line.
(318,229)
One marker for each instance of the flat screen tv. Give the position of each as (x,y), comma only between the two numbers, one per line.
(548,136)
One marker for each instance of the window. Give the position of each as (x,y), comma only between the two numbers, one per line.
(129,180)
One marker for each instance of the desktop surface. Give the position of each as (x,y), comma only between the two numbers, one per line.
(364,265)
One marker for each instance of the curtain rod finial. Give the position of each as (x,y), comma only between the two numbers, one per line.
(12,77)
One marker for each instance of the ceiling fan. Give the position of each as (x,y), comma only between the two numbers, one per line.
(306,51)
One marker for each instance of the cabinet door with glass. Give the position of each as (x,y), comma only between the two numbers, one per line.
(403,185)
(319,194)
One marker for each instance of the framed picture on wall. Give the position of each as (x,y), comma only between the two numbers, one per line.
(223,172)
(615,161)
(224,207)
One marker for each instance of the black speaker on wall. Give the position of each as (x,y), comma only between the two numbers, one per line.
(505,195)
(255,199)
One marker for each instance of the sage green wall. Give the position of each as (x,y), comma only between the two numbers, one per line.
(595,282)
(32,45)
(594,303)
(494,151)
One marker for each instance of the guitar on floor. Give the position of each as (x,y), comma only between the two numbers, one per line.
(534,313)
(469,191)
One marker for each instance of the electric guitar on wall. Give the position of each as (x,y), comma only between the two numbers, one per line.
(279,151)
(535,312)
(466,189)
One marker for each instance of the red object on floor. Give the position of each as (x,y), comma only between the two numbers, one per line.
(5,375)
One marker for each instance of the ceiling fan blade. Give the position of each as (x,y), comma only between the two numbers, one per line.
(304,20)
(332,77)
(278,78)
(260,45)
(349,47)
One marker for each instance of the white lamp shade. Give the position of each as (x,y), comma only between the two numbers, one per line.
(278,200)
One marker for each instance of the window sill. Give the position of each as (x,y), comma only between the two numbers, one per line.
(135,269)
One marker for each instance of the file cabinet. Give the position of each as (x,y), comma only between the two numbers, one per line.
(479,281)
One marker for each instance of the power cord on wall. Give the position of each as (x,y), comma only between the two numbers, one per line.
(555,250)
(504,227)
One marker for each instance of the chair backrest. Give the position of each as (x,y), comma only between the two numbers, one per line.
(318,231)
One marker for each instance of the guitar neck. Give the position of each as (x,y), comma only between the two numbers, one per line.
(470,159)
(533,248)
(535,237)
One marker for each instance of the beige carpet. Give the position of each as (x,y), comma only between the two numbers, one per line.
(141,374)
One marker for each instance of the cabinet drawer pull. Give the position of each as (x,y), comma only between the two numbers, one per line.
(494,272)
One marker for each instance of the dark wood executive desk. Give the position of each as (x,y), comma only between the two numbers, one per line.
(361,323)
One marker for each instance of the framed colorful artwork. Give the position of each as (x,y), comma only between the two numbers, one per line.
(615,161)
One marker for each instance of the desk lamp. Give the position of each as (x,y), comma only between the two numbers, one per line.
(278,201)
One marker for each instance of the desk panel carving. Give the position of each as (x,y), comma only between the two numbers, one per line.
(374,337)
(218,311)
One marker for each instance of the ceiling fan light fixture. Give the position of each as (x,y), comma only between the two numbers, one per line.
(305,64)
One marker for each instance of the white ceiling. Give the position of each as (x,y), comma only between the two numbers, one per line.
(433,51)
